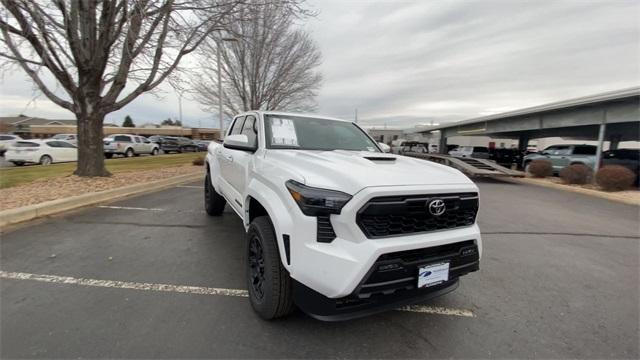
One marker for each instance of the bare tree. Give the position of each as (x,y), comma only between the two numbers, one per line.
(93,57)
(271,66)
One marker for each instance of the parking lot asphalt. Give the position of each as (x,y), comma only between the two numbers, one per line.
(559,279)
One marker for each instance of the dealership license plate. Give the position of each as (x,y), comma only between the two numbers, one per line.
(433,274)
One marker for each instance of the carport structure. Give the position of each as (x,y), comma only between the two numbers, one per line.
(611,116)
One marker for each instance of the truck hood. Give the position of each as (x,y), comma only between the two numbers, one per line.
(351,171)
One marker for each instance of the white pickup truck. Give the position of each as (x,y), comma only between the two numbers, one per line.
(336,226)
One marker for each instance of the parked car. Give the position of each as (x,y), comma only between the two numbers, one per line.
(202,145)
(478,152)
(169,144)
(506,157)
(629,158)
(414,146)
(562,156)
(128,145)
(71,138)
(334,225)
(6,140)
(43,152)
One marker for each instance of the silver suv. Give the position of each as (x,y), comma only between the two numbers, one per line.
(128,145)
(562,156)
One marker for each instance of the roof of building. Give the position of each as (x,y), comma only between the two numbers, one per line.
(580,101)
(29,120)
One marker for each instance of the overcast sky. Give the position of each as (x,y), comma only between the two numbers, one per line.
(403,63)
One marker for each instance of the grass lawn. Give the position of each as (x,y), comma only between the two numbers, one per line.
(21,175)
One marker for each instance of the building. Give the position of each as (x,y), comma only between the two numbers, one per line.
(39,128)
(385,135)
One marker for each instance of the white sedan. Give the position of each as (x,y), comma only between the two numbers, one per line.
(44,152)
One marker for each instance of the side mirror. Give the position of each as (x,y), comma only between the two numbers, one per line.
(239,142)
(384,147)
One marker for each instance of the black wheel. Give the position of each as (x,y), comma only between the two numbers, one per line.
(129,153)
(268,281)
(46,160)
(108,155)
(154,152)
(18,163)
(213,202)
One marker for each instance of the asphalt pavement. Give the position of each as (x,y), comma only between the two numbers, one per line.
(155,277)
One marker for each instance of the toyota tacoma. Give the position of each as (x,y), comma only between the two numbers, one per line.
(334,225)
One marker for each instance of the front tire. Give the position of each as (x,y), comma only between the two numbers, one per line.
(46,160)
(213,202)
(268,281)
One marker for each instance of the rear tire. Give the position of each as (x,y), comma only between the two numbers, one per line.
(268,281)
(213,202)
(154,152)
(46,160)
(129,153)
(108,155)
(18,163)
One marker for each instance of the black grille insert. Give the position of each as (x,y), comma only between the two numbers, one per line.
(402,215)
(325,230)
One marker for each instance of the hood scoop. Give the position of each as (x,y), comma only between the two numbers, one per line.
(380,158)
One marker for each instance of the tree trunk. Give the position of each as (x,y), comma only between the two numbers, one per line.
(90,146)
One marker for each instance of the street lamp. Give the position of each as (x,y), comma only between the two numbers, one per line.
(218,44)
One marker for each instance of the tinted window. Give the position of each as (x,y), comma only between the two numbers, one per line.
(26,144)
(236,127)
(122,138)
(6,137)
(562,150)
(585,150)
(65,144)
(249,129)
(480,149)
(137,139)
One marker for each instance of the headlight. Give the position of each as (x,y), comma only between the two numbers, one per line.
(314,201)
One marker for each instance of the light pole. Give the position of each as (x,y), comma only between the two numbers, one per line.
(219,43)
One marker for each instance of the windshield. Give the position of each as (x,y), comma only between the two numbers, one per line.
(302,133)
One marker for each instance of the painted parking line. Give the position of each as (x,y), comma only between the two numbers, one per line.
(199,290)
(148,209)
(190,187)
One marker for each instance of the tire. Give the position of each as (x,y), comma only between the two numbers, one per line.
(526,167)
(129,153)
(46,160)
(108,155)
(18,163)
(268,281)
(213,202)
(154,152)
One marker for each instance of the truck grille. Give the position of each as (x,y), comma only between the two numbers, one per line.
(402,215)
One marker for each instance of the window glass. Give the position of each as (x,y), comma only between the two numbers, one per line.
(54,144)
(65,144)
(305,133)
(137,139)
(236,127)
(26,144)
(562,150)
(585,150)
(5,137)
(480,149)
(249,129)
(122,138)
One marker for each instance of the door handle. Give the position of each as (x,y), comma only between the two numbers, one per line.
(229,158)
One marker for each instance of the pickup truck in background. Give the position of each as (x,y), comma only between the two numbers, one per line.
(562,156)
(333,224)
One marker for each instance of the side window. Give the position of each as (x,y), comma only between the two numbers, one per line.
(562,150)
(4,137)
(249,129)
(55,144)
(137,139)
(236,128)
(585,150)
(122,138)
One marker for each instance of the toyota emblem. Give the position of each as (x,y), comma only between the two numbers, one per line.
(437,207)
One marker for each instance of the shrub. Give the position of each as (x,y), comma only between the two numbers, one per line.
(576,174)
(199,161)
(615,178)
(540,168)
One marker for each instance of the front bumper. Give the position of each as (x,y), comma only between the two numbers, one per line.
(391,282)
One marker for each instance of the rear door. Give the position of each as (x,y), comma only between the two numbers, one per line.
(560,157)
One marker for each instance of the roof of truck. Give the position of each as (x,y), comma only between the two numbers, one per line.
(315,116)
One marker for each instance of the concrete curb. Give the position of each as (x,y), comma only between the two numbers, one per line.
(596,193)
(29,212)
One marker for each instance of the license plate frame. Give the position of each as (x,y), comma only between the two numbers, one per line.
(433,274)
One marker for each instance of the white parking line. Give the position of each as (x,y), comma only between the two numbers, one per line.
(193,290)
(129,208)
(190,187)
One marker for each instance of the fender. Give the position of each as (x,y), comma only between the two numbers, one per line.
(277,211)
(214,168)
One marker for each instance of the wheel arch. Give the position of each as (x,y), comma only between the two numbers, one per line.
(261,200)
